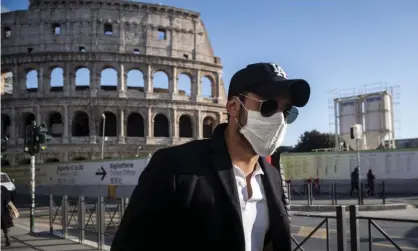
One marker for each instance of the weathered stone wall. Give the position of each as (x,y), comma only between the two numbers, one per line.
(97,35)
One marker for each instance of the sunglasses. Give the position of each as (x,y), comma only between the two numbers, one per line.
(269,107)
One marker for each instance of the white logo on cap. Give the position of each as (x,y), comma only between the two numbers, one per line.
(278,70)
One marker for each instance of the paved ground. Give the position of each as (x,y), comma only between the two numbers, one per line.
(22,241)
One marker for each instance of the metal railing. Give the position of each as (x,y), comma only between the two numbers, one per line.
(340,217)
(86,215)
(100,217)
(371,222)
(333,192)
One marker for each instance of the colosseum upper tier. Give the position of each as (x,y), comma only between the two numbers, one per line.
(56,53)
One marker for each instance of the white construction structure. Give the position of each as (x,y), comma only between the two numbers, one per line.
(374,110)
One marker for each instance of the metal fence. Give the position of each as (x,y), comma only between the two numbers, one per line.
(335,193)
(99,218)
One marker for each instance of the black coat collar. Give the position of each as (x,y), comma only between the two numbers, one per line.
(221,162)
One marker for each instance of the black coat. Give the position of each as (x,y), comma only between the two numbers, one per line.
(6,219)
(186,199)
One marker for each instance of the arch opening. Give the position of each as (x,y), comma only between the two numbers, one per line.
(135,125)
(207,87)
(5,125)
(208,126)
(55,124)
(27,119)
(32,81)
(184,85)
(82,79)
(109,79)
(57,80)
(160,82)
(80,124)
(185,126)
(135,80)
(161,126)
(110,124)
(52,160)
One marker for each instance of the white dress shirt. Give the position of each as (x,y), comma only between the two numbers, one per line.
(254,210)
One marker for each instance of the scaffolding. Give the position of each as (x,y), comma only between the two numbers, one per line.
(337,95)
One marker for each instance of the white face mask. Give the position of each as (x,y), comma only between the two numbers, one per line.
(265,134)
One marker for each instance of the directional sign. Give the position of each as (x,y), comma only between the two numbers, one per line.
(101,172)
(117,172)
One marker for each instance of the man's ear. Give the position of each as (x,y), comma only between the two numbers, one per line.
(232,107)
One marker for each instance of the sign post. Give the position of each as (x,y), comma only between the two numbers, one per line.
(356,133)
(35,140)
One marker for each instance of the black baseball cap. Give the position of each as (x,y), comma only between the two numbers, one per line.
(268,80)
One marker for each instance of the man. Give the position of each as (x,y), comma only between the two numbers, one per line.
(6,219)
(217,194)
(354,180)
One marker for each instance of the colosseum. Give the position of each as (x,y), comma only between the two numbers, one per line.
(81,65)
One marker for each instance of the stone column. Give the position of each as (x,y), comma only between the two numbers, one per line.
(93,81)
(217,86)
(196,85)
(149,124)
(122,79)
(122,33)
(46,82)
(16,81)
(148,86)
(93,125)
(174,130)
(67,80)
(172,84)
(66,125)
(195,36)
(70,126)
(38,117)
(122,126)
(199,125)
(40,90)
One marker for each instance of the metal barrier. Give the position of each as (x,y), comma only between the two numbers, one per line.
(354,229)
(76,216)
(341,219)
(309,191)
(81,215)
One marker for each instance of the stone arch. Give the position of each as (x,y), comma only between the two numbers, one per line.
(109,79)
(52,160)
(57,79)
(80,124)
(27,119)
(25,161)
(160,82)
(185,126)
(79,158)
(82,78)
(5,124)
(208,126)
(110,123)
(55,124)
(4,163)
(184,84)
(161,126)
(135,80)
(32,80)
(135,125)
(207,87)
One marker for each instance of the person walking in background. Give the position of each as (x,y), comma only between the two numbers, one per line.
(317,188)
(370,182)
(6,218)
(354,180)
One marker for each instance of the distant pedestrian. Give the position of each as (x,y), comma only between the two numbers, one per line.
(6,218)
(354,180)
(317,187)
(370,182)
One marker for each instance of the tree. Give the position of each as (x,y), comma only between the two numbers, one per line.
(309,141)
